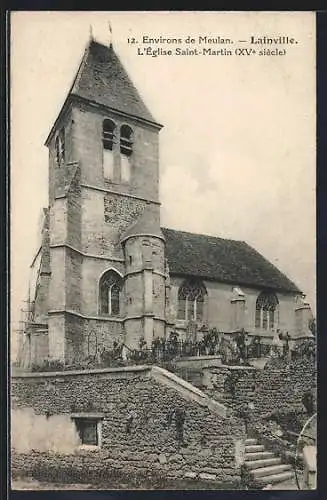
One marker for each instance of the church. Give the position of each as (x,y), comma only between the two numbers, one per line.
(106,269)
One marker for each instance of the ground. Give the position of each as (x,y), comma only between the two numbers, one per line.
(32,484)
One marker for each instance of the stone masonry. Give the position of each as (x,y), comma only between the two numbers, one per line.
(139,430)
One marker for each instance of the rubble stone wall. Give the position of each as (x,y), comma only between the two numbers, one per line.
(267,389)
(141,431)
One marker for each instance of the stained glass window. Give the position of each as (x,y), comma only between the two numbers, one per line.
(109,294)
(266,311)
(191,301)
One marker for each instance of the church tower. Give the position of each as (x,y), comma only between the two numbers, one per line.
(107,263)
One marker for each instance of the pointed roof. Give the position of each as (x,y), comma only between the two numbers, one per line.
(147,224)
(223,260)
(103,79)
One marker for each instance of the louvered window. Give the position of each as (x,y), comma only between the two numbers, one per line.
(108,139)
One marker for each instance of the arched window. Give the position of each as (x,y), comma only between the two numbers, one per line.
(109,293)
(108,139)
(266,311)
(191,296)
(126,149)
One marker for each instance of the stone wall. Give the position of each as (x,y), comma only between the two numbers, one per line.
(267,389)
(139,429)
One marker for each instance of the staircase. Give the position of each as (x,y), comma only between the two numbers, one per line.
(263,466)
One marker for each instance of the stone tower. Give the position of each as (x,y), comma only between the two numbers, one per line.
(107,279)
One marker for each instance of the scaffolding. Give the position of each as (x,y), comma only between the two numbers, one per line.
(22,333)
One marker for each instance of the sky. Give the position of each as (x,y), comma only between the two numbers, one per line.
(237,151)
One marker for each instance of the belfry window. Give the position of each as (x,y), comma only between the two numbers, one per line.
(60,147)
(191,298)
(266,313)
(108,139)
(126,150)
(109,294)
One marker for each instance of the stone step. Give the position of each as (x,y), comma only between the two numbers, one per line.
(270,471)
(254,447)
(258,455)
(275,478)
(256,464)
(249,441)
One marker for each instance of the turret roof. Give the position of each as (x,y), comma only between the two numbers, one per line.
(146,224)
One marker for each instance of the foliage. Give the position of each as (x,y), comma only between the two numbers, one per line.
(288,418)
(244,412)
(179,423)
(305,349)
(313,326)
(48,365)
(231,381)
(234,350)
(309,402)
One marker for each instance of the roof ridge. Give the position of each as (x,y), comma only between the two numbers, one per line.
(223,260)
(201,234)
(80,69)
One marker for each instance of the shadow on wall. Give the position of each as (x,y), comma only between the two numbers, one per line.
(29,432)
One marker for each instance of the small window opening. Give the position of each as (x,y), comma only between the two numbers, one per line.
(88,430)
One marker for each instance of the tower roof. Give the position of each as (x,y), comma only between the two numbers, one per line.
(147,224)
(103,79)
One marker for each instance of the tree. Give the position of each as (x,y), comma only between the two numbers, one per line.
(312,326)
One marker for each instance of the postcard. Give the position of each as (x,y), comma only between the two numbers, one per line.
(163,170)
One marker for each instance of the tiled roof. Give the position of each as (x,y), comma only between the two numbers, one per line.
(103,79)
(222,260)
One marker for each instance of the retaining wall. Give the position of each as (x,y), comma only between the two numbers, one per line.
(139,428)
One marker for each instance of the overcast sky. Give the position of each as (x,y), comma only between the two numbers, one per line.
(237,151)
